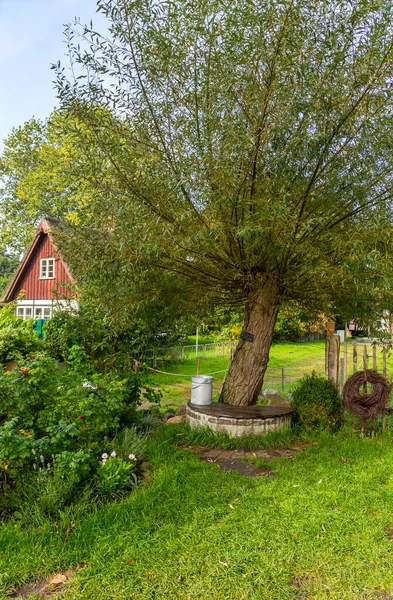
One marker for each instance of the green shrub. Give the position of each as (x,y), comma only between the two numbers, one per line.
(317,403)
(64,414)
(60,334)
(17,337)
(293,323)
(115,474)
(57,420)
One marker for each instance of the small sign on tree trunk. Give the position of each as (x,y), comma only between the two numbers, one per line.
(248,337)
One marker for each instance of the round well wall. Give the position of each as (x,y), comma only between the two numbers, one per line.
(239,422)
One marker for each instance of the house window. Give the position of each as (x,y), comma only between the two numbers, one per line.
(25,312)
(47,268)
(43,312)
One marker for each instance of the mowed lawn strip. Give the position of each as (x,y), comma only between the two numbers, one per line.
(320,529)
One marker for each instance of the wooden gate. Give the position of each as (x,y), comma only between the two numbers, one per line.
(359,357)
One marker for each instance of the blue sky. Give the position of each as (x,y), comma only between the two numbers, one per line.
(31,38)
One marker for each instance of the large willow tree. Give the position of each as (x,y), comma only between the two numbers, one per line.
(252,143)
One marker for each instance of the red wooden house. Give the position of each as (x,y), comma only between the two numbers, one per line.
(42,279)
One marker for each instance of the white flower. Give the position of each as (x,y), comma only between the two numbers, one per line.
(88,384)
(33,451)
(131,456)
(104,455)
(104,461)
(113,454)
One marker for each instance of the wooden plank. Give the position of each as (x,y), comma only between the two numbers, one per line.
(345,367)
(384,362)
(342,380)
(365,357)
(355,358)
(218,409)
(375,358)
(332,356)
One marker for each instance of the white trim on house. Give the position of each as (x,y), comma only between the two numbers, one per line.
(43,309)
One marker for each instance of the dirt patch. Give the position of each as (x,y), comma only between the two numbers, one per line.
(241,460)
(44,588)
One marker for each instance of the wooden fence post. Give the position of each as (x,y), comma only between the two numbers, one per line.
(342,374)
(384,362)
(332,358)
(355,358)
(365,357)
(375,358)
(345,363)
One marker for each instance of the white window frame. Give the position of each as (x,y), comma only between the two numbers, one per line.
(42,312)
(47,265)
(24,312)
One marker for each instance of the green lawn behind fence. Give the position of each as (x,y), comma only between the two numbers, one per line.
(288,363)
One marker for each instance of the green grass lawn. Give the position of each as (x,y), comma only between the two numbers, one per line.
(295,358)
(321,529)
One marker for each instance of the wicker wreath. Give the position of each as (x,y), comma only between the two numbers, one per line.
(366,406)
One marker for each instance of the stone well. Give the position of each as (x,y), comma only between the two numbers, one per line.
(239,421)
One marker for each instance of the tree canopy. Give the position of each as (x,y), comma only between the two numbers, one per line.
(256,136)
(245,147)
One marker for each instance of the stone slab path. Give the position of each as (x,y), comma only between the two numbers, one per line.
(239,460)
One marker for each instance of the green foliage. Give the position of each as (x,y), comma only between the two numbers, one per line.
(317,403)
(42,395)
(127,441)
(60,333)
(54,420)
(73,465)
(242,175)
(115,474)
(293,322)
(17,337)
(15,447)
(108,345)
(8,264)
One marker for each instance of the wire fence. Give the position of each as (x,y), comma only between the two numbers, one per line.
(179,354)
(280,378)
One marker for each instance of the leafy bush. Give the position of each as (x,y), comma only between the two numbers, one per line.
(115,474)
(54,421)
(317,403)
(17,337)
(60,334)
(293,323)
(42,396)
(108,343)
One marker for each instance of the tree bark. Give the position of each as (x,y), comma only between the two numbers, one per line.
(245,376)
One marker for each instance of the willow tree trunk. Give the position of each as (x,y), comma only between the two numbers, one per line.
(245,376)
